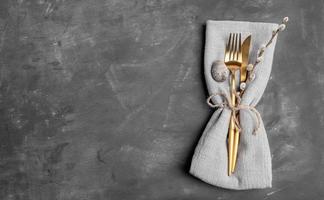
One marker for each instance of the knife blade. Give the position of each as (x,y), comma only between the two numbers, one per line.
(245,58)
(243,76)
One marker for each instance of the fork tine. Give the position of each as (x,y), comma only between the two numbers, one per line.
(228,42)
(232,46)
(236,47)
(240,50)
(227,49)
(239,46)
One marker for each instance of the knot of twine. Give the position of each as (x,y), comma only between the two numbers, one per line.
(234,108)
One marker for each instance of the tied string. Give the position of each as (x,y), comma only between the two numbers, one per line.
(234,108)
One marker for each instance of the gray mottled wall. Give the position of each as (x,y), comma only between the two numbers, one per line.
(105,99)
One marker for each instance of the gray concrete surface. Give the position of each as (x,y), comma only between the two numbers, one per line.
(105,99)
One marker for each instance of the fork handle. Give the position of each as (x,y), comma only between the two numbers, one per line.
(231,125)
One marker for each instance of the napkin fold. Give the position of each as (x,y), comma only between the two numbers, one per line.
(210,159)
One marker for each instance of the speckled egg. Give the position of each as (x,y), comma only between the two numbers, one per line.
(219,71)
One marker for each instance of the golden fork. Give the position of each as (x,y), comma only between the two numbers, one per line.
(233,61)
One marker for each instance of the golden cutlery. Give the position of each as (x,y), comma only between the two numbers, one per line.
(233,61)
(243,77)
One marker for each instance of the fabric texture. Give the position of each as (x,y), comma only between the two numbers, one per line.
(210,159)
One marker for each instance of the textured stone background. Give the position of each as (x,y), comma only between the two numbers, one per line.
(105,99)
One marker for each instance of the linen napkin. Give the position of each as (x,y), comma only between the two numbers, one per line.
(210,159)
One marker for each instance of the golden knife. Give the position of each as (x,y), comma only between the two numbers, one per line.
(243,77)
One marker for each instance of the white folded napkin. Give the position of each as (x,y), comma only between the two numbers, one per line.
(210,160)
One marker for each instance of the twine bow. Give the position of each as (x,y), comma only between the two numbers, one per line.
(234,108)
